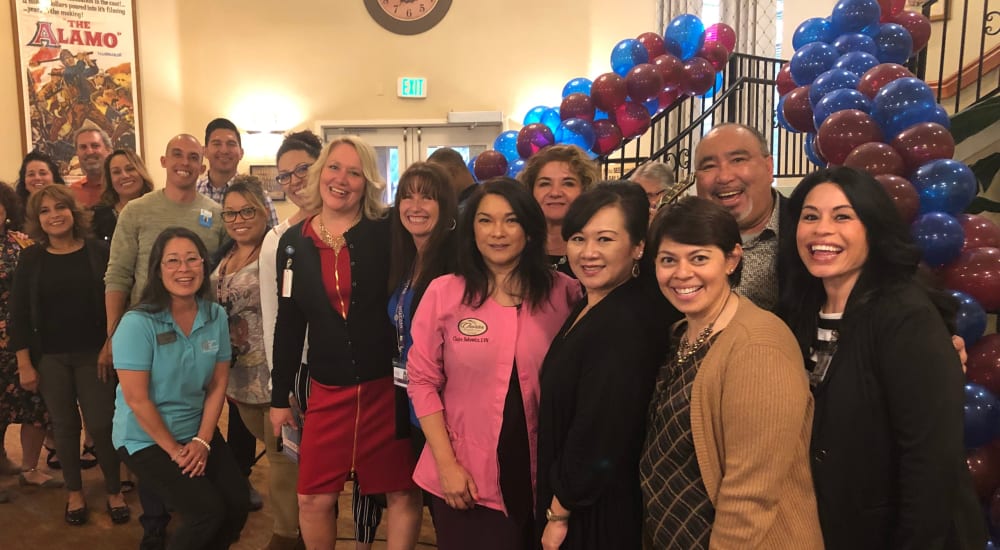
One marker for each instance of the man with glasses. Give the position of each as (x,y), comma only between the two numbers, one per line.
(224,151)
(178,204)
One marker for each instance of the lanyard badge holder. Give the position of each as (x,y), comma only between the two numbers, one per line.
(399,376)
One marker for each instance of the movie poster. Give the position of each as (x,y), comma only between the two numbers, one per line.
(77,66)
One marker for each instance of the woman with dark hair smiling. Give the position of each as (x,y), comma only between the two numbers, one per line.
(172,353)
(888,455)
(479,338)
(597,378)
(37,170)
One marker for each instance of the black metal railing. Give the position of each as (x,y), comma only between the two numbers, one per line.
(977,26)
(748,95)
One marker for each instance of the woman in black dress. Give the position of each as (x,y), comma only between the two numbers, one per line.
(597,379)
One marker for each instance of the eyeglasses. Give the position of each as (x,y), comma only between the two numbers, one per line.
(300,171)
(247,213)
(173,263)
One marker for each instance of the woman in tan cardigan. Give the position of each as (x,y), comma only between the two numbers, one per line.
(726,461)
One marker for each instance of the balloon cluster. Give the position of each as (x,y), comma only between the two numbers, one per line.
(649,73)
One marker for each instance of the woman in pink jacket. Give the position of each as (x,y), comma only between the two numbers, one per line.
(479,338)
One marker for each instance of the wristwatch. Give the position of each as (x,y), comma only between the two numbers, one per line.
(552,516)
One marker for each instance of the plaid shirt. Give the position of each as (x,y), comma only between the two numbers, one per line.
(206,188)
(759,280)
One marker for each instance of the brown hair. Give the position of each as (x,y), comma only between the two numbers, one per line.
(577,159)
(60,194)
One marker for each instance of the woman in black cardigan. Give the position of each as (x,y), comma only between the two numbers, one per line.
(57,330)
(888,458)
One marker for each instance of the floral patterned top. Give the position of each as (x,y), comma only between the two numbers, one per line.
(239,294)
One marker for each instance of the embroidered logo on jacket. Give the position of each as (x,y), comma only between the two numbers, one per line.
(472,327)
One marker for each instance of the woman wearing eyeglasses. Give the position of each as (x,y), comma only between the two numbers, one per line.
(172,357)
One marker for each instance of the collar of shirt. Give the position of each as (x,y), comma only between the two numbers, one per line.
(206,188)
(770,230)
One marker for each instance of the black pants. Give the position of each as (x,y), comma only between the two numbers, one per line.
(213,507)
(241,442)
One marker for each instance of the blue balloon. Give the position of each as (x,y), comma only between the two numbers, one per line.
(970,321)
(811,151)
(940,236)
(834,79)
(716,88)
(945,185)
(600,115)
(982,411)
(941,117)
(894,43)
(514,167)
(901,104)
(683,36)
(815,29)
(506,144)
(838,100)
(576,131)
(855,42)
(471,166)
(810,61)
(551,118)
(855,15)
(534,115)
(856,62)
(653,106)
(578,85)
(779,112)
(627,54)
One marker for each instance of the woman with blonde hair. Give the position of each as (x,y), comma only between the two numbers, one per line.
(125,178)
(334,279)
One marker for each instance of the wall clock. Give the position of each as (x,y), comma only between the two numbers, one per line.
(407,16)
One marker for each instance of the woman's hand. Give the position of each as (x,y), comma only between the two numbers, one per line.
(460,491)
(28,377)
(105,363)
(554,534)
(282,417)
(192,459)
(959,344)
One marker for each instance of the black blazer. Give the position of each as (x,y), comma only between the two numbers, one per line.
(887,445)
(26,323)
(341,352)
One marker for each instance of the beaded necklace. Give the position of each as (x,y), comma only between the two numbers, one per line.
(685,349)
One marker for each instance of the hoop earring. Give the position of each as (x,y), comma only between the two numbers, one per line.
(635,269)
(453,225)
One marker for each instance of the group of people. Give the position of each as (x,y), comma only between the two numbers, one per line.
(552,362)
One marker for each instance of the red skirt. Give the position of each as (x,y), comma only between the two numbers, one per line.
(351,430)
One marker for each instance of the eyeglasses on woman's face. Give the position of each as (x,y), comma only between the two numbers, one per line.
(173,263)
(247,213)
(300,172)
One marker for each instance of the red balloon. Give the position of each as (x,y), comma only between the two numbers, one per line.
(798,110)
(714,53)
(784,80)
(878,76)
(983,367)
(653,44)
(608,92)
(904,196)
(723,34)
(979,232)
(876,158)
(671,70)
(643,82)
(577,105)
(984,465)
(633,119)
(844,130)
(917,24)
(533,138)
(890,8)
(489,164)
(922,143)
(667,97)
(977,273)
(699,76)
(609,136)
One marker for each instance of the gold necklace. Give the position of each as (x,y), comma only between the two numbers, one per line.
(685,349)
(335,242)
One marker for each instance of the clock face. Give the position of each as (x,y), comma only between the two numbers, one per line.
(407,16)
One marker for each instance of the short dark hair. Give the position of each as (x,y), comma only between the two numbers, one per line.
(430,180)
(700,222)
(222,124)
(11,203)
(627,196)
(154,296)
(58,193)
(35,156)
(448,157)
(304,141)
(533,270)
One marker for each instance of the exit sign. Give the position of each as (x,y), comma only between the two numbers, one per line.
(410,86)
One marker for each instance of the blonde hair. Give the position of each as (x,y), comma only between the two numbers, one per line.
(372,206)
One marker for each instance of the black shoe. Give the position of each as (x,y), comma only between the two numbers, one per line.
(52,461)
(155,539)
(88,458)
(76,517)
(119,514)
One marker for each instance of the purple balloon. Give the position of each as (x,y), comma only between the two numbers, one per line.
(533,138)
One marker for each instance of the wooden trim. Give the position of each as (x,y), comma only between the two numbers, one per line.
(989,62)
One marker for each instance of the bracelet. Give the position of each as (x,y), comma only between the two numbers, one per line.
(203,442)
(552,516)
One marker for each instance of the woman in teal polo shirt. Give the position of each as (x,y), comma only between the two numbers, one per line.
(172,355)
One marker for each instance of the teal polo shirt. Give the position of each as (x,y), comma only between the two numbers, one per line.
(180,368)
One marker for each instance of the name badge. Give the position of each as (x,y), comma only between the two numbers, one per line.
(399,376)
(286,283)
(210,346)
(205,218)
(165,338)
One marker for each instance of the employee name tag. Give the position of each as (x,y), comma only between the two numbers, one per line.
(286,283)
(399,376)
(205,218)
(165,338)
